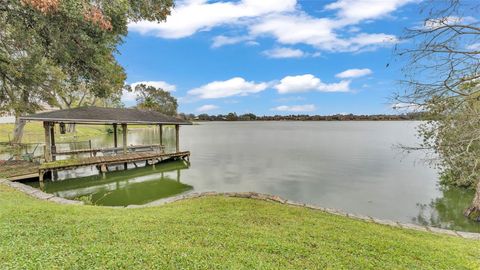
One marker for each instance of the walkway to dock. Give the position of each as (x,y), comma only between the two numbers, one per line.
(14,170)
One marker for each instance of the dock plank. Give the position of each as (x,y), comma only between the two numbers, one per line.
(110,160)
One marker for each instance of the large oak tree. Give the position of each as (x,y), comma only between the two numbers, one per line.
(61,52)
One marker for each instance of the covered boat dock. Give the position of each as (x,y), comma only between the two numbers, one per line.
(115,155)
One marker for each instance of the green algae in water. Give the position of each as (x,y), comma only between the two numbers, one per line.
(122,188)
(447,210)
(139,193)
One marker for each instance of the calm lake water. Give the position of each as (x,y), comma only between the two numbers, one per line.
(353,166)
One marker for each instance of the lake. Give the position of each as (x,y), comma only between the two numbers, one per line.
(353,166)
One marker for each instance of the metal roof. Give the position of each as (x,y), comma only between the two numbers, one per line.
(100,115)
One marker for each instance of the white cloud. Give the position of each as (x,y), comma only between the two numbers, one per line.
(354,73)
(308,82)
(449,20)
(282,20)
(206,108)
(128,98)
(233,87)
(284,53)
(298,28)
(295,108)
(473,47)
(189,17)
(289,99)
(157,84)
(355,11)
(252,43)
(221,40)
(354,29)
(320,33)
(364,42)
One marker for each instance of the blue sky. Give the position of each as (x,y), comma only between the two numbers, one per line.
(272,56)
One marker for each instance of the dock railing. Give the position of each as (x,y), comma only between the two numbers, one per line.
(109,151)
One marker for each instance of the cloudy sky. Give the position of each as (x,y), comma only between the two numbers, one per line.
(273,56)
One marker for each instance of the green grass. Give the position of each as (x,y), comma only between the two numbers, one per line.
(34,132)
(62,162)
(213,232)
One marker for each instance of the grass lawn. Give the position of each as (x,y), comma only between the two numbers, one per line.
(213,232)
(34,132)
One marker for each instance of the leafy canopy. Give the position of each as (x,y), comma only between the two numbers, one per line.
(61,52)
(156,99)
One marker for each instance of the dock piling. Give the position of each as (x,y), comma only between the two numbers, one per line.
(103,169)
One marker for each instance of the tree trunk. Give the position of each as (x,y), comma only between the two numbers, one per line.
(473,212)
(18,130)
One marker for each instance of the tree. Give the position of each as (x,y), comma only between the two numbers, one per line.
(204,117)
(442,77)
(248,117)
(61,52)
(232,117)
(156,99)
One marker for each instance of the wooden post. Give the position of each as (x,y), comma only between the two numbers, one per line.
(124,130)
(48,142)
(160,129)
(90,147)
(115,138)
(177,136)
(103,169)
(178,176)
(52,136)
(42,184)
(40,176)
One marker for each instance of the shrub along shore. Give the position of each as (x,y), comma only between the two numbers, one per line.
(212,232)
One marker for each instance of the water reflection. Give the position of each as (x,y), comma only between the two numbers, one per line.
(122,188)
(446,211)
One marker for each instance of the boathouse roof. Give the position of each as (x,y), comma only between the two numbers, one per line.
(100,115)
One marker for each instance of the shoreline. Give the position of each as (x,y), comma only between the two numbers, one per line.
(38,194)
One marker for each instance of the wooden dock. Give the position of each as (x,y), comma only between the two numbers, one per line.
(21,170)
(102,162)
(111,156)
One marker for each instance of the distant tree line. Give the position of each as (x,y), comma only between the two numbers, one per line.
(302,117)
